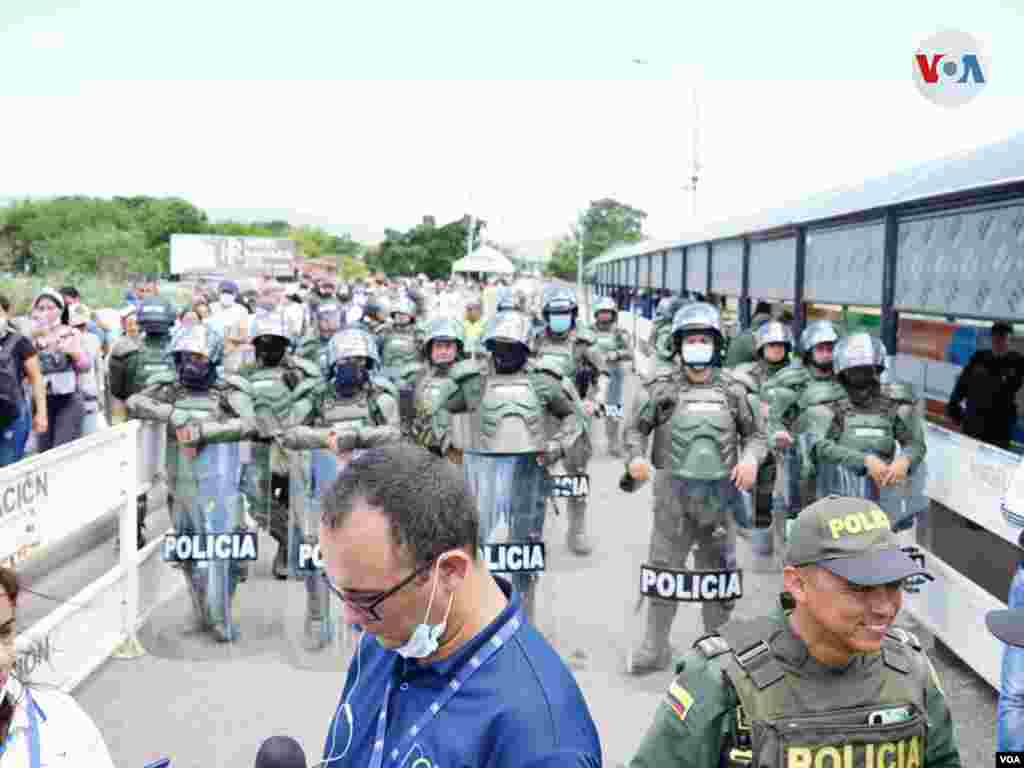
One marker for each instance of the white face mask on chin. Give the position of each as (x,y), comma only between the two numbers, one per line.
(425,638)
(698,354)
(227,299)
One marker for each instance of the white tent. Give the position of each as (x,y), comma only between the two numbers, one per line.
(484,259)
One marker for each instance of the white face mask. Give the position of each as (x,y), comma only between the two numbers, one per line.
(425,638)
(227,299)
(698,354)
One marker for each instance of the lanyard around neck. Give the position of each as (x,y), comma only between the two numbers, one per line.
(34,752)
(466,671)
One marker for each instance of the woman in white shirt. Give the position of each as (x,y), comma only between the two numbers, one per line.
(39,725)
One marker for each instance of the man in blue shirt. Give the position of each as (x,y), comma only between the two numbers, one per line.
(447,671)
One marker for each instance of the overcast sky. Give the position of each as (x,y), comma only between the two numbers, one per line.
(369,115)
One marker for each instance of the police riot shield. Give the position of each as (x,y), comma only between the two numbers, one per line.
(695,518)
(315,635)
(615,394)
(517,530)
(207,551)
(902,502)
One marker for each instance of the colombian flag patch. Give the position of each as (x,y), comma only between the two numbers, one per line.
(680,700)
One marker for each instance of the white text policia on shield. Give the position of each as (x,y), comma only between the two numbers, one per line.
(24,493)
(210,546)
(691,585)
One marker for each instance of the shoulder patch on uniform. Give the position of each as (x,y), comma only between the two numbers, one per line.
(680,700)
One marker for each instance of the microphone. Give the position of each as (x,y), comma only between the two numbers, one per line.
(281,752)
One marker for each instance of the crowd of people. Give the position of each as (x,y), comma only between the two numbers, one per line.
(432,416)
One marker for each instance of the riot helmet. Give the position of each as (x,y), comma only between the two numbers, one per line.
(691,327)
(607,304)
(773,332)
(351,355)
(377,307)
(818,332)
(196,352)
(270,338)
(507,338)
(444,329)
(560,310)
(404,306)
(666,309)
(156,316)
(506,300)
(859,360)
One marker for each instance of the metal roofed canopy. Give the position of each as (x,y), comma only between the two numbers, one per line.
(989,166)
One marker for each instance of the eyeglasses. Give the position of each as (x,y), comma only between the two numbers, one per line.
(368,603)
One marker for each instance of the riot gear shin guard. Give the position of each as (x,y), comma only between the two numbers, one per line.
(576,538)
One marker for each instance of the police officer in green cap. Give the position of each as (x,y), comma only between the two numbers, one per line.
(829,683)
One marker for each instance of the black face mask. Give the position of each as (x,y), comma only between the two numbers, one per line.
(195,374)
(270,351)
(349,376)
(509,358)
(861,382)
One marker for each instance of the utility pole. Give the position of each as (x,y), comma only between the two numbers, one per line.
(695,173)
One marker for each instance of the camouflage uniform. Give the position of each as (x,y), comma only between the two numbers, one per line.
(698,429)
(203,476)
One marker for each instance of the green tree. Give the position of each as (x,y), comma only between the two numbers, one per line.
(608,222)
(564,258)
(425,248)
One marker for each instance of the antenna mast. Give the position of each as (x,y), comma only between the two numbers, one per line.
(697,167)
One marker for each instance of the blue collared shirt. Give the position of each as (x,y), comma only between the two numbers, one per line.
(520,707)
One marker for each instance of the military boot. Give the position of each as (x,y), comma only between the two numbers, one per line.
(655,654)
(576,538)
(280,567)
(199,620)
(317,629)
(611,428)
(225,628)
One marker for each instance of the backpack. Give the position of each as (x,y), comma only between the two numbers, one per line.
(11,393)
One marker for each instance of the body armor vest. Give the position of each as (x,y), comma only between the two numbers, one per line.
(510,418)
(868,432)
(607,340)
(153,361)
(703,436)
(355,411)
(788,720)
(560,355)
(426,392)
(196,405)
(399,348)
(59,372)
(270,393)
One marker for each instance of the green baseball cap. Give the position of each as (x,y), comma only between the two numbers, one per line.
(853,539)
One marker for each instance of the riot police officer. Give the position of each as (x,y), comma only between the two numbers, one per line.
(355,410)
(327,321)
(616,348)
(206,419)
(509,447)
(659,342)
(790,394)
(581,363)
(134,362)
(704,416)
(829,683)
(444,346)
(870,443)
(773,343)
(282,388)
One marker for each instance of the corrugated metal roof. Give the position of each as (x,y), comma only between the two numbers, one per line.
(978,169)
